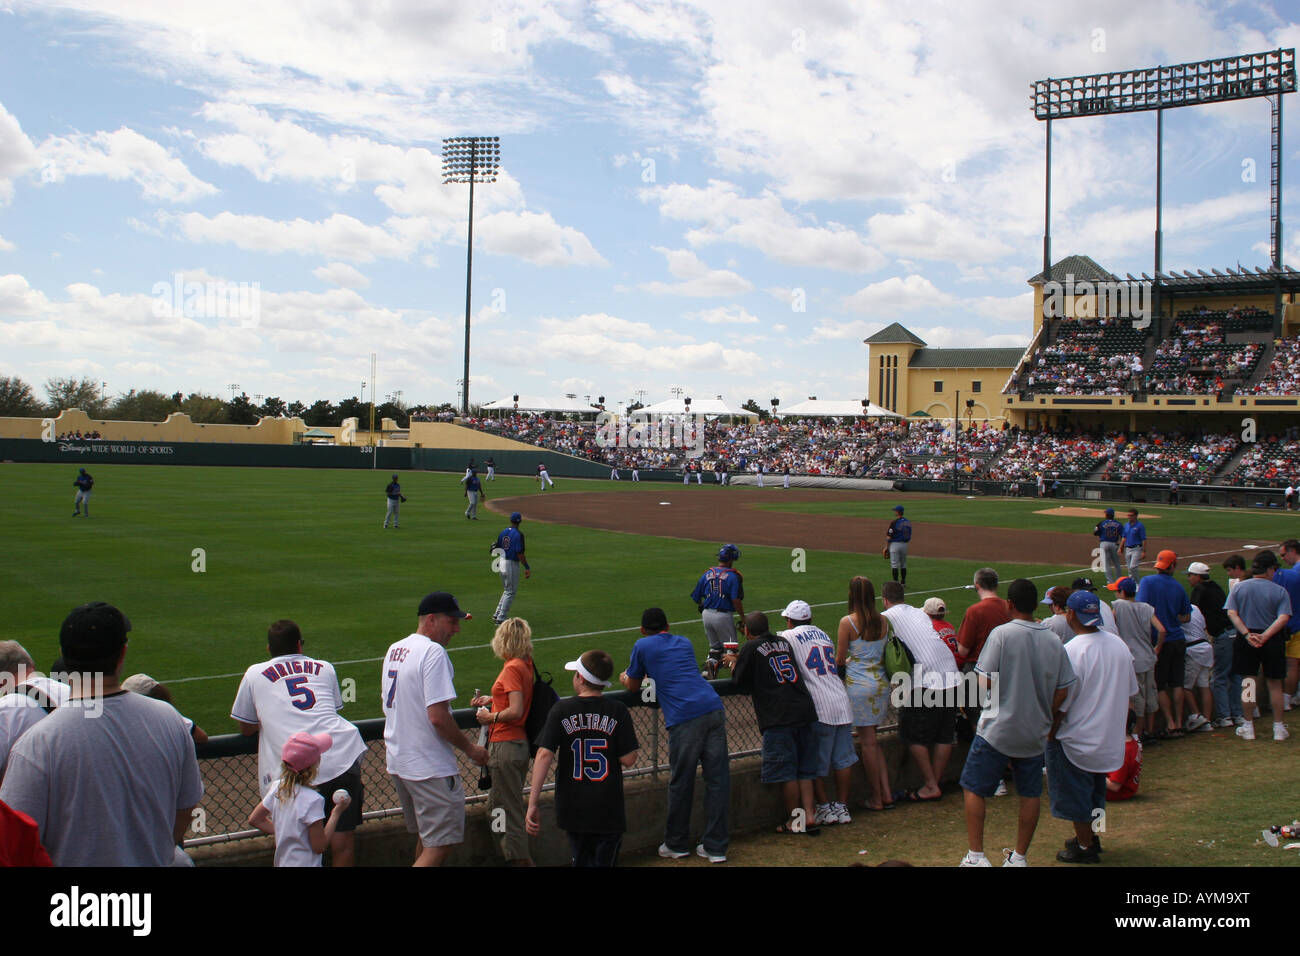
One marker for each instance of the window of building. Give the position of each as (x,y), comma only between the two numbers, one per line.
(938,386)
(977,386)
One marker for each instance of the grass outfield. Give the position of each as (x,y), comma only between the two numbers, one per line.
(307,544)
(1183,521)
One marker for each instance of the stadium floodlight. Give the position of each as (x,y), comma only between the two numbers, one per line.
(1268,74)
(470,159)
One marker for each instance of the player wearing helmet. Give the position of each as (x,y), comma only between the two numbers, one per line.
(719,595)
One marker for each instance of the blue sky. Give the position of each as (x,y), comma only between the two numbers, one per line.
(725,197)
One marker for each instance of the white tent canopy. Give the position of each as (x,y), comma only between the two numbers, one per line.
(539,403)
(850,408)
(698,406)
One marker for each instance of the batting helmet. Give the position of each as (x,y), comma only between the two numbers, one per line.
(729,552)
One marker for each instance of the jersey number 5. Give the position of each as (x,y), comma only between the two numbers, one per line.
(298,689)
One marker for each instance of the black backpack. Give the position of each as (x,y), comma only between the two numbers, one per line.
(544,698)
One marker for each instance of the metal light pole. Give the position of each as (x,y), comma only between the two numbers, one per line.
(470,159)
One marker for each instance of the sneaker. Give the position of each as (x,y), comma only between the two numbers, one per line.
(1246,731)
(1280,732)
(1238,720)
(970,859)
(1221,722)
(1287,701)
(1096,842)
(1001,791)
(841,813)
(668,854)
(711,857)
(823,816)
(710,671)
(1076,854)
(1196,722)
(1010,860)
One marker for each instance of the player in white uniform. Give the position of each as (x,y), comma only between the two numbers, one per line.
(543,478)
(291,693)
(419,731)
(815,658)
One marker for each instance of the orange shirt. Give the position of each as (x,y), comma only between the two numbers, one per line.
(516,675)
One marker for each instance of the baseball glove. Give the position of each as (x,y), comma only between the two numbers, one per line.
(884,552)
(403,497)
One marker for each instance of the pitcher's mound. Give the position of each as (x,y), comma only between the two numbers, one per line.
(1068,512)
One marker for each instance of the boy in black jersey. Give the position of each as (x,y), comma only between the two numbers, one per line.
(595,740)
(766,668)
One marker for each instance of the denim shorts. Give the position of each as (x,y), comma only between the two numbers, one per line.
(789,753)
(1075,793)
(985,766)
(835,747)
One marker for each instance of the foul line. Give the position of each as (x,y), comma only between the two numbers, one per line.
(619,630)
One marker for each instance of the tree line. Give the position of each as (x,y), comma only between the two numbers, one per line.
(18,400)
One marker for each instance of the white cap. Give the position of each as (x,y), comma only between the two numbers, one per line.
(934,605)
(1198,567)
(797,611)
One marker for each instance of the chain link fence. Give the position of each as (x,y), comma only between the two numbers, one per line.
(229,764)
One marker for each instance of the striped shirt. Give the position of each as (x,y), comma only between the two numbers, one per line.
(915,629)
(814,654)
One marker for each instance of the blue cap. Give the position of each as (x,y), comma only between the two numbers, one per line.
(898,508)
(729,552)
(516,517)
(1086,605)
(1127,585)
(1110,512)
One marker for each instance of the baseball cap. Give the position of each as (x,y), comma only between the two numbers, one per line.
(596,667)
(1056,592)
(440,602)
(1110,512)
(516,517)
(141,684)
(93,631)
(898,508)
(797,611)
(1087,606)
(1166,560)
(1127,585)
(302,749)
(934,605)
(1083,584)
(1198,567)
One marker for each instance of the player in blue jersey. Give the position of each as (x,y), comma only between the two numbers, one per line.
(510,543)
(720,595)
(1135,542)
(83,483)
(395,498)
(1110,531)
(474,492)
(897,535)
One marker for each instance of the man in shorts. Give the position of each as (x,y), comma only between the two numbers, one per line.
(1260,611)
(419,731)
(1025,669)
(1198,668)
(1088,735)
(1136,622)
(785,712)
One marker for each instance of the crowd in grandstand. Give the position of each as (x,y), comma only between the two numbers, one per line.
(1283,374)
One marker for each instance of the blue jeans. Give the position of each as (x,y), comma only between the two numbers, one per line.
(1225,685)
(702,740)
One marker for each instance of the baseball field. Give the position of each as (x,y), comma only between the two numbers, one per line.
(203,559)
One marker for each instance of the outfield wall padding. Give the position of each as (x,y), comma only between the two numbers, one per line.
(86,453)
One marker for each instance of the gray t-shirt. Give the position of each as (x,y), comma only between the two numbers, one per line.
(1259,602)
(1133,623)
(104,780)
(1029,663)
(1060,627)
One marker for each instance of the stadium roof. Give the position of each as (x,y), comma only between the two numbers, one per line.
(1080,267)
(892,335)
(536,403)
(848,408)
(698,406)
(966,358)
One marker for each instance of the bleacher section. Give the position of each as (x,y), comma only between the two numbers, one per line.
(1274,461)
(1087,357)
(1157,457)
(1282,377)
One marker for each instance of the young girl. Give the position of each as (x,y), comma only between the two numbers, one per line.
(291,811)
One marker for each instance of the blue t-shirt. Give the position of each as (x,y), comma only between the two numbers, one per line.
(1169,598)
(1290,582)
(669,660)
(1134,536)
(1258,602)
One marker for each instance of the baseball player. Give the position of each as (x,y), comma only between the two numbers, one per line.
(686,474)
(613,474)
(636,470)
(84,483)
(510,542)
(473,491)
(786,484)
(491,469)
(293,693)
(719,595)
(1173,491)
(898,534)
(543,477)
(1110,531)
(469,470)
(698,471)
(721,471)
(395,498)
(760,469)
(1135,537)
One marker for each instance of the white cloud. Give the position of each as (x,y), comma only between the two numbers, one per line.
(341,274)
(895,296)
(723,315)
(123,155)
(700,280)
(338,237)
(537,238)
(6,245)
(17,154)
(922,232)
